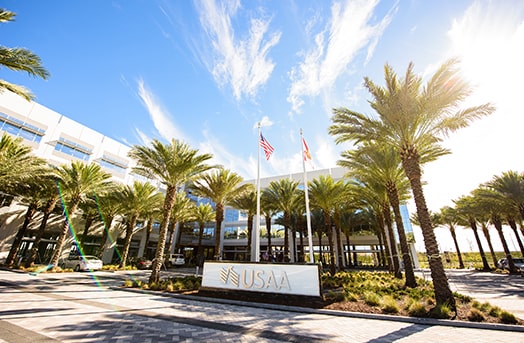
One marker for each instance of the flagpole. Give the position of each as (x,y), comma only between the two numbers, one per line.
(257,221)
(308,215)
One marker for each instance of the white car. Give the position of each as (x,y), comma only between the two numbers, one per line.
(81,263)
(175,260)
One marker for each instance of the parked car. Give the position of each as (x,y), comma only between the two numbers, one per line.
(143,263)
(503,263)
(81,263)
(175,260)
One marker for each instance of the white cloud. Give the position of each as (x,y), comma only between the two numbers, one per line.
(243,64)
(160,117)
(348,31)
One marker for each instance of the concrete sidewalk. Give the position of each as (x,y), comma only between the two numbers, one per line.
(81,307)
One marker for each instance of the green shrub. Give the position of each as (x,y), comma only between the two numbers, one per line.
(494,311)
(389,304)
(441,311)
(350,296)
(475,315)
(372,299)
(507,318)
(417,309)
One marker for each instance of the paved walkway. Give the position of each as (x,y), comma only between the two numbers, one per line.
(82,307)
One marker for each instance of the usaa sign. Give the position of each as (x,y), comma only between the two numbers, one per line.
(270,278)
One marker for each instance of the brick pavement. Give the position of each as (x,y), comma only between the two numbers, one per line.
(76,308)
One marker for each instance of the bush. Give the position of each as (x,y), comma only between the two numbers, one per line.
(441,311)
(417,309)
(372,299)
(389,304)
(507,318)
(475,315)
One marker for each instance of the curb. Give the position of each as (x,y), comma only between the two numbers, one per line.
(297,309)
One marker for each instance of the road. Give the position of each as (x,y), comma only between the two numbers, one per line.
(85,307)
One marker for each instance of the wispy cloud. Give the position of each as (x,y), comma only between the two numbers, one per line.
(160,117)
(348,31)
(242,64)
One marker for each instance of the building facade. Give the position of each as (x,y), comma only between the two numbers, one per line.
(60,140)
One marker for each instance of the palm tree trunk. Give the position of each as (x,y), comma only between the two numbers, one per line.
(454,236)
(29,214)
(200,252)
(443,293)
(485,231)
(498,225)
(268,228)
(219,217)
(149,229)
(485,264)
(348,257)
(392,242)
(169,202)
(287,219)
(340,251)
(107,226)
(327,226)
(381,232)
(40,233)
(249,234)
(63,232)
(406,257)
(127,241)
(513,226)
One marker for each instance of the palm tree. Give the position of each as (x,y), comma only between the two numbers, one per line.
(32,196)
(76,182)
(247,202)
(221,186)
(109,206)
(412,116)
(382,164)
(18,166)
(467,209)
(494,203)
(90,215)
(50,198)
(19,59)
(448,216)
(283,195)
(202,214)
(136,201)
(268,210)
(325,195)
(182,211)
(172,165)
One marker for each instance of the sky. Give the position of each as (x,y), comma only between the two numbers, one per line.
(207,72)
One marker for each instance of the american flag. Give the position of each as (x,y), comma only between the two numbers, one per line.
(268,149)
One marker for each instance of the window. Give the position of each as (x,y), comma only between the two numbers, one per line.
(73,149)
(19,128)
(113,164)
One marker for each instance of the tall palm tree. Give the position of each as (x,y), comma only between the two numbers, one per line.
(221,186)
(268,210)
(182,212)
(109,206)
(50,198)
(495,204)
(77,181)
(136,200)
(202,214)
(247,202)
(173,165)
(411,115)
(32,196)
(325,195)
(448,216)
(283,194)
(18,166)
(467,209)
(382,164)
(19,59)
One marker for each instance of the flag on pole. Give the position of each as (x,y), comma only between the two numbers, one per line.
(268,149)
(307,154)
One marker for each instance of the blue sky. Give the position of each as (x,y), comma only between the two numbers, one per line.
(206,72)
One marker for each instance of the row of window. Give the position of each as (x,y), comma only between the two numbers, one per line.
(20,128)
